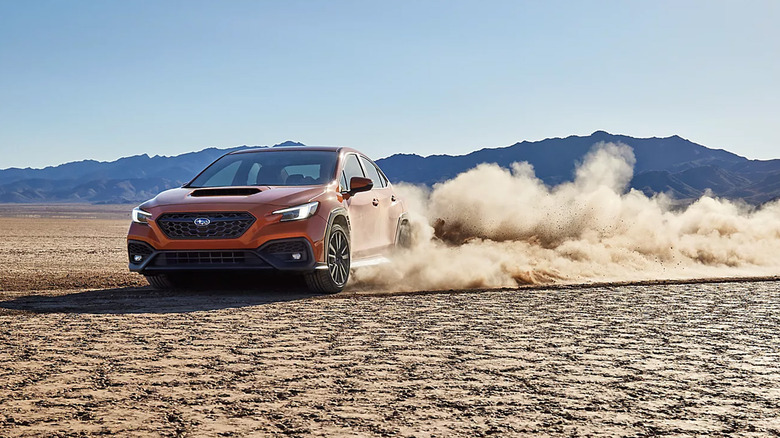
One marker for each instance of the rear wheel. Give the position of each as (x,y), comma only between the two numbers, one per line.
(164,281)
(404,236)
(337,258)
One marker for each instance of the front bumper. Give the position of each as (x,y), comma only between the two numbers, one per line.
(292,254)
(257,248)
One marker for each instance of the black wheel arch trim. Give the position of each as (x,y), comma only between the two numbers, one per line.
(336,212)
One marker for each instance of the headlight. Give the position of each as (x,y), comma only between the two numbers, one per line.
(140,216)
(298,212)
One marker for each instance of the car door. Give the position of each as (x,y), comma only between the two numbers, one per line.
(395,210)
(382,200)
(361,209)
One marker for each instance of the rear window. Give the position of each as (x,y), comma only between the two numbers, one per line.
(270,168)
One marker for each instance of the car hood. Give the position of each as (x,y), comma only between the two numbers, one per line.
(213,198)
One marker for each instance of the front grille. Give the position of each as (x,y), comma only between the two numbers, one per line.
(221,225)
(135,248)
(207,258)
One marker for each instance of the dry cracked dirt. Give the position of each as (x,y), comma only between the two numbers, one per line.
(85,350)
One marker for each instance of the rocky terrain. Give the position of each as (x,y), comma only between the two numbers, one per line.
(602,361)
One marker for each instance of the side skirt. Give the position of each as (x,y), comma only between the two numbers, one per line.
(371,261)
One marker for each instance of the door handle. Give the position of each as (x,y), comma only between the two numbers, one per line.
(375,202)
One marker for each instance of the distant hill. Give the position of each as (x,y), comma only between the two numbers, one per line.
(679,167)
(126,180)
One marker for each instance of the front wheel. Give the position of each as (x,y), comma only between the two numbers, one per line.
(337,258)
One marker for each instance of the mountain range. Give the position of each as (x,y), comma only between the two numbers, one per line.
(681,168)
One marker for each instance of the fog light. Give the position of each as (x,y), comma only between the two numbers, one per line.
(296,256)
(138,258)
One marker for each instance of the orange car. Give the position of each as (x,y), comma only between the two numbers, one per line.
(319,211)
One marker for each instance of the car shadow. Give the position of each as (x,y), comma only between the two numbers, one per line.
(129,300)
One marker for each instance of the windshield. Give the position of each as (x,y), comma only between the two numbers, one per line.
(270,168)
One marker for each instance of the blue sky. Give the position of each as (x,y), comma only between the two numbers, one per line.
(106,79)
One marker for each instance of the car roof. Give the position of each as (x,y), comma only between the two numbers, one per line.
(295,148)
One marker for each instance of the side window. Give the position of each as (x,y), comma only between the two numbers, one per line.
(351,168)
(343,183)
(385,181)
(372,173)
(224,177)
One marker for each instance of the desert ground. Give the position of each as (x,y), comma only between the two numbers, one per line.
(87,349)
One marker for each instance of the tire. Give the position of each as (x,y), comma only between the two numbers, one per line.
(337,257)
(163,281)
(404,236)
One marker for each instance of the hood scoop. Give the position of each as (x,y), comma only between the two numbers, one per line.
(225,191)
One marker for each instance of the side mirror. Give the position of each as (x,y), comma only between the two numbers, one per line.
(359,184)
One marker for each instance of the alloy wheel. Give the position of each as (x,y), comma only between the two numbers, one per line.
(338,257)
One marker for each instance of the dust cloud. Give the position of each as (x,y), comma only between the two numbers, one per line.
(493,227)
